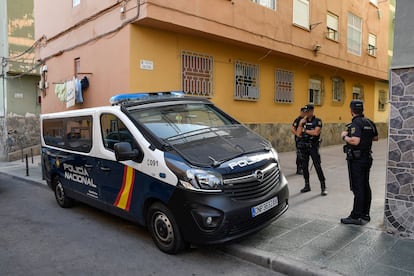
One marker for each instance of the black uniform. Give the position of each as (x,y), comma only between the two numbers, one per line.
(295,125)
(309,147)
(359,164)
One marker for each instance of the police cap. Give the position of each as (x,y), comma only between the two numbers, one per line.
(307,107)
(357,105)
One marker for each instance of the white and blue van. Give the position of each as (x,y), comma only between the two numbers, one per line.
(178,165)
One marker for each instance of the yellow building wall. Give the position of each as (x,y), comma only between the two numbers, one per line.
(164,48)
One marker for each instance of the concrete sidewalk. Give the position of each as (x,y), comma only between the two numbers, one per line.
(309,239)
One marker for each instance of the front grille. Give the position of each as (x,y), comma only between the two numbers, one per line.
(251,185)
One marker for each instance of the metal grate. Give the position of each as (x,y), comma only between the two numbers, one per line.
(283,86)
(338,87)
(246,81)
(197,74)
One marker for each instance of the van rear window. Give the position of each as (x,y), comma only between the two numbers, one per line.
(73,133)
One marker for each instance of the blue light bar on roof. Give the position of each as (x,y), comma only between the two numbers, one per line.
(123,98)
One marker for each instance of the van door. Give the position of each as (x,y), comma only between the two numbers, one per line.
(116,180)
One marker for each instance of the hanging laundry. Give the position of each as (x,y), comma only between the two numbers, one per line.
(60,91)
(70,93)
(85,83)
(78,91)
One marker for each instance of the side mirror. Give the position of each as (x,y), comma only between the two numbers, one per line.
(124,152)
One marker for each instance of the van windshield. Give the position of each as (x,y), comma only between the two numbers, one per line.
(172,120)
(199,132)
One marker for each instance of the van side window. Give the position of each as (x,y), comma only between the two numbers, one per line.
(74,133)
(114,131)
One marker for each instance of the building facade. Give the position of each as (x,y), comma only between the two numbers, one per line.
(260,61)
(399,201)
(19,95)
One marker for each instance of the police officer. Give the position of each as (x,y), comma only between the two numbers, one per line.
(309,131)
(293,129)
(358,137)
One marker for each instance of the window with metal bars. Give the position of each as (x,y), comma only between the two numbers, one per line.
(382,100)
(338,88)
(246,81)
(283,86)
(315,91)
(358,92)
(197,74)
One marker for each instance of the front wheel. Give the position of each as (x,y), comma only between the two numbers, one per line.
(164,230)
(61,198)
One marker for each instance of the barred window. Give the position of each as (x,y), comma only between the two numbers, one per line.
(358,92)
(246,81)
(197,74)
(283,86)
(382,100)
(338,88)
(315,91)
(267,3)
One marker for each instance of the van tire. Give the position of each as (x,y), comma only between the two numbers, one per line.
(164,229)
(60,195)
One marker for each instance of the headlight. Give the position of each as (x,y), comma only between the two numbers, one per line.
(202,180)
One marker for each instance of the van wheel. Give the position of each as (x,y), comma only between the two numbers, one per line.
(61,198)
(164,230)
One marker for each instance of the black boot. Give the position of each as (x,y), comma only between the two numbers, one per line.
(306,188)
(324,192)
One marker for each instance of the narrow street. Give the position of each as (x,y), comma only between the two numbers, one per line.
(37,237)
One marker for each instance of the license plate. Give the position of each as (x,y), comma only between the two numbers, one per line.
(265,206)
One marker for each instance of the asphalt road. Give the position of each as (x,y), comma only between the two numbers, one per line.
(37,237)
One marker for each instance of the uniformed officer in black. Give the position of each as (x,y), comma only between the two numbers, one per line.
(358,137)
(309,131)
(293,129)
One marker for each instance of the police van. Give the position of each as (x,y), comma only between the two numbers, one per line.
(178,165)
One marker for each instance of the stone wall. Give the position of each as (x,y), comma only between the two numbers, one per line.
(18,133)
(282,138)
(399,199)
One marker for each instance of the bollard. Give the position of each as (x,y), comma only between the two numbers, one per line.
(27,166)
(31,153)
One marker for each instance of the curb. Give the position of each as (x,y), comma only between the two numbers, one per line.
(275,262)
(26,179)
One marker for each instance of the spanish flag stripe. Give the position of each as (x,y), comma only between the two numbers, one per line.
(118,198)
(123,199)
(132,181)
